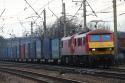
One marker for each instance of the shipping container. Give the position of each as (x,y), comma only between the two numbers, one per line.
(22,51)
(47,48)
(1,53)
(9,54)
(5,53)
(38,49)
(55,48)
(18,52)
(13,52)
(27,41)
(33,50)
(26,51)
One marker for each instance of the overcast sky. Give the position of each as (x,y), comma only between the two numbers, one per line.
(16,17)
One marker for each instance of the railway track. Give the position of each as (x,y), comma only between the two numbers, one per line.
(115,73)
(42,78)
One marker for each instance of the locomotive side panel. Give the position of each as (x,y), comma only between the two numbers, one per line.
(80,45)
(65,47)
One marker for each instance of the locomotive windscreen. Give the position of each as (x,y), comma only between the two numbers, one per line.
(106,38)
(95,38)
(98,38)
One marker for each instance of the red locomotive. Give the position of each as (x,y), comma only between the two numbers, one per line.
(91,48)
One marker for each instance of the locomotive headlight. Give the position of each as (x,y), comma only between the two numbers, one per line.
(93,49)
(110,48)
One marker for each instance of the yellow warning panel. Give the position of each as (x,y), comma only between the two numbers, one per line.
(101,44)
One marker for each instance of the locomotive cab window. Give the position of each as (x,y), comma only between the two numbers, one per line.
(95,38)
(106,38)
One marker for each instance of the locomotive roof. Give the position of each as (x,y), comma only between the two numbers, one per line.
(75,36)
(80,35)
(100,31)
(66,38)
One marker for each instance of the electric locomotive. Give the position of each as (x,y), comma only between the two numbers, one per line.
(91,48)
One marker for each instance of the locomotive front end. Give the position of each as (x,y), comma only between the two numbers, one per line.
(101,47)
(101,44)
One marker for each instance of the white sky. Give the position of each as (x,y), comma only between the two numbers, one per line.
(17,11)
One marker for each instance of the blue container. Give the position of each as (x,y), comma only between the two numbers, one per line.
(33,50)
(47,48)
(9,55)
(1,53)
(14,52)
(18,53)
(4,53)
(38,49)
(55,48)
(26,51)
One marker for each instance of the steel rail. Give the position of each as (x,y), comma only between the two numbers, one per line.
(38,76)
(115,73)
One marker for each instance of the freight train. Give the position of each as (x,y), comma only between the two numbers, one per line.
(89,49)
